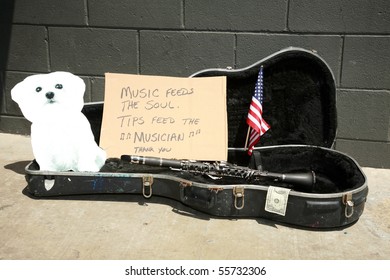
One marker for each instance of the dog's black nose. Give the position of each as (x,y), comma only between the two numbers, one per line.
(49,95)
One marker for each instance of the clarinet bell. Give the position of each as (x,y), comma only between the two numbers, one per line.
(305,180)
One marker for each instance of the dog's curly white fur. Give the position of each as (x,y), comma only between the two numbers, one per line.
(61,135)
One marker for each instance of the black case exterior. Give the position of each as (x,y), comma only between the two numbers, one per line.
(299,104)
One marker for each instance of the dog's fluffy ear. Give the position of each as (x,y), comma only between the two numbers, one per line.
(21,94)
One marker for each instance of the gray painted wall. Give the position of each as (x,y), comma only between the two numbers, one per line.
(180,37)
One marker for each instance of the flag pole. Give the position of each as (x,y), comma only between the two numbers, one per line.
(247,137)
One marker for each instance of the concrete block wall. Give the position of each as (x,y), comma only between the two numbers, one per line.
(180,37)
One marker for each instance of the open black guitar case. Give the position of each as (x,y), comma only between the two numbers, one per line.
(300,106)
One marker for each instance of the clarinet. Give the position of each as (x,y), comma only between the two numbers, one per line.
(223,169)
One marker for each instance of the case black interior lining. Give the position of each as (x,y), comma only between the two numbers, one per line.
(299,100)
(334,171)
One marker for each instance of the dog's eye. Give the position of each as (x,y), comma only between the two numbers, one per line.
(59,86)
(38,89)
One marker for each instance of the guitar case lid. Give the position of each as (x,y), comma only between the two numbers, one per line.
(299,99)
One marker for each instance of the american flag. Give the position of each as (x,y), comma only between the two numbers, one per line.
(255,120)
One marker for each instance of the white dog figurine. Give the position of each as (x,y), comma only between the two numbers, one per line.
(61,135)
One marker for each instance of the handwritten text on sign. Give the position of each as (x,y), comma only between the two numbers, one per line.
(183,118)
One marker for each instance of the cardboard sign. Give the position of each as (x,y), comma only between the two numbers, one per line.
(168,117)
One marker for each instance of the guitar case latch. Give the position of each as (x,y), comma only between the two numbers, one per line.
(147,182)
(349,205)
(239,197)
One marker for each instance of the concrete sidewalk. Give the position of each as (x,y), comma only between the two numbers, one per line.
(130,227)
